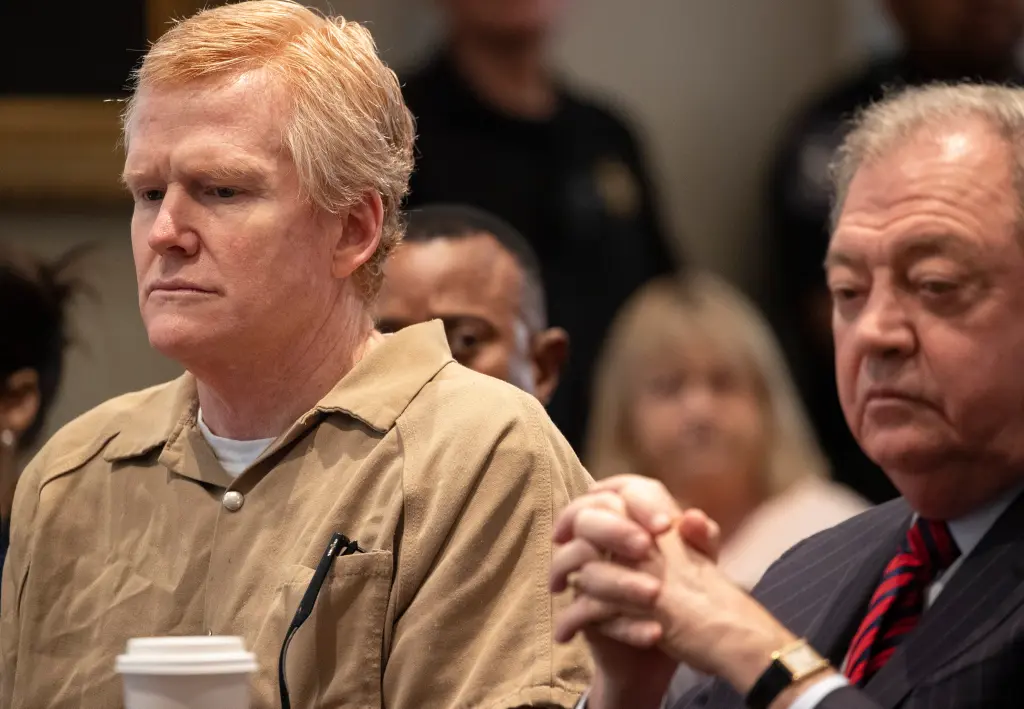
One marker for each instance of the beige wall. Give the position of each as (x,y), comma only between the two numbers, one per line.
(711,82)
(708,82)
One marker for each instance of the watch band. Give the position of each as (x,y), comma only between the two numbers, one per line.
(780,675)
(769,685)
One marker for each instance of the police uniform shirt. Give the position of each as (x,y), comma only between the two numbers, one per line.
(574,185)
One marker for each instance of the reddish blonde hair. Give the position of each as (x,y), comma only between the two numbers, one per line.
(348,131)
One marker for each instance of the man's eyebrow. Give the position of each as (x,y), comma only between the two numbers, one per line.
(221,171)
(454,318)
(228,171)
(128,175)
(838,258)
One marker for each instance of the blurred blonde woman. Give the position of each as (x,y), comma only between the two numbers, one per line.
(692,390)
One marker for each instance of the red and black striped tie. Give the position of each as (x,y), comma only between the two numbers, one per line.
(897,604)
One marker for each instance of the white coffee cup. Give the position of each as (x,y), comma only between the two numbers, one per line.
(204,672)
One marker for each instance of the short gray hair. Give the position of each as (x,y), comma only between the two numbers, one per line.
(883,126)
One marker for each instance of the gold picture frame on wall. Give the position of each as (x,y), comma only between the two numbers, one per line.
(65,150)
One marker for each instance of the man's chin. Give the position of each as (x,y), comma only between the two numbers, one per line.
(905,453)
(904,459)
(178,340)
(924,471)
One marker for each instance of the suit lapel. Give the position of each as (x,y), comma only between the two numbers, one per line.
(988,586)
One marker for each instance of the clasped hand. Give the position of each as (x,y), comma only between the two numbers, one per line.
(648,594)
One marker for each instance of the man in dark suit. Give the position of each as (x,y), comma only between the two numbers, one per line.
(919,602)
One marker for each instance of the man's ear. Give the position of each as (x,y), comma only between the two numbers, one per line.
(19,401)
(550,350)
(359,230)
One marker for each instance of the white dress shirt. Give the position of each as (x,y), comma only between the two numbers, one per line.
(967,532)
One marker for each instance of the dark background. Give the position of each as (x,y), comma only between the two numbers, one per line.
(70,47)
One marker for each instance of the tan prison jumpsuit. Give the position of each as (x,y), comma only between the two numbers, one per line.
(125,525)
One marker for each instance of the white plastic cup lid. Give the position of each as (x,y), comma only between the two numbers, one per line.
(200,655)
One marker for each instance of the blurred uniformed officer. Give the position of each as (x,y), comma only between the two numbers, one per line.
(497,130)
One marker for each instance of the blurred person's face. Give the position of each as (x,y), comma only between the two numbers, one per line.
(927,275)
(962,35)
(20,401)
(698,424)
(503,18)
(230,261)
(475,287)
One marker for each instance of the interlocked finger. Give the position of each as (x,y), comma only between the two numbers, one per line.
(609,532)
(568,559)
(566,520)
(638,632)
(584,612)
(624,587)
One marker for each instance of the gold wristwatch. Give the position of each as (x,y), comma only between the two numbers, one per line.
(793,663)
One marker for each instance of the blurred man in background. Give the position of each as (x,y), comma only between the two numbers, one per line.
(943,40)
(499,131)
(478,276)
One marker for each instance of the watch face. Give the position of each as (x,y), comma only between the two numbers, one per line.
(802,660)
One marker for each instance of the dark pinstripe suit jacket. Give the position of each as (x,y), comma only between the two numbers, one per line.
(967,651)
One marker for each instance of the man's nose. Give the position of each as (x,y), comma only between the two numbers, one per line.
(173,231)
(883,328)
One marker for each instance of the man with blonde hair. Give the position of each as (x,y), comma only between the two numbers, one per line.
(404,499)
(917,603)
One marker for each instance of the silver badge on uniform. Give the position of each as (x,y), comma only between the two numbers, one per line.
(814,186)
(618,187)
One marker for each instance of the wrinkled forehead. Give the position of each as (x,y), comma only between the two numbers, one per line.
(250,102)
(215,131)
(942,188)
